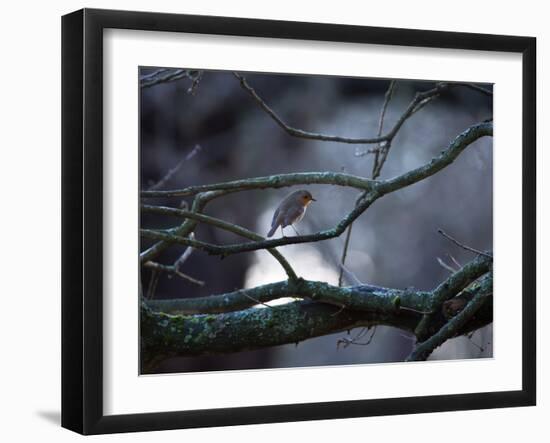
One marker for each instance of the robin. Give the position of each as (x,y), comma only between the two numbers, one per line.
(290,211)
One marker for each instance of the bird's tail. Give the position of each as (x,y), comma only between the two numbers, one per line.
(272,230)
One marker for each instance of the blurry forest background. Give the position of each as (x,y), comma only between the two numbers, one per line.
(394,244)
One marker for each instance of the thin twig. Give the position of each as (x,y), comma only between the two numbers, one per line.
(352,278)
(151,289)
(344,255)
(454,260)
(175,169)
(446,266)
(463,246)
(387,97)
(171,269)
(355,340)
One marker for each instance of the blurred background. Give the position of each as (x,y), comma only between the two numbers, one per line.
(394,244)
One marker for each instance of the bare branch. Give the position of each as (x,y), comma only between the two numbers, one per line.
(272,181)
(378,189)
(335,138)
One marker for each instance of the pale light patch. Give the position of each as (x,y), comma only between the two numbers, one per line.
(306,260)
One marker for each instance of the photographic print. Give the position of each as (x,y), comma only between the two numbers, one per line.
(293,221)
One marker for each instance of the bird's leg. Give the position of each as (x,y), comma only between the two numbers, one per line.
(282,231)
(297,233)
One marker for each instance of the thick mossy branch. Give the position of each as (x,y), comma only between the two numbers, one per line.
(362,298)
(359,297)
(164,335)
(170,335)
(229,322)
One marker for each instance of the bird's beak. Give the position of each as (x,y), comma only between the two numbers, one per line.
(313,199)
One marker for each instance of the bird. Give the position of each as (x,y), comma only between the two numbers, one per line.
(290,211)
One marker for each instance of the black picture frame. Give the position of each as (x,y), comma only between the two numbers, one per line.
(82,218)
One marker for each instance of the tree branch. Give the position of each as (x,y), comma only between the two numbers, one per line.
(164,335)
(360,297)
(378,189)
(272,181)
(172,269)
(452,286)
(184,229)
(447,156)
(461,245)
(165,75)
(239,230)
(453,326)
(419,97)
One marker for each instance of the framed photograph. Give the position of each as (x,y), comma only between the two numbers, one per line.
(269,221)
